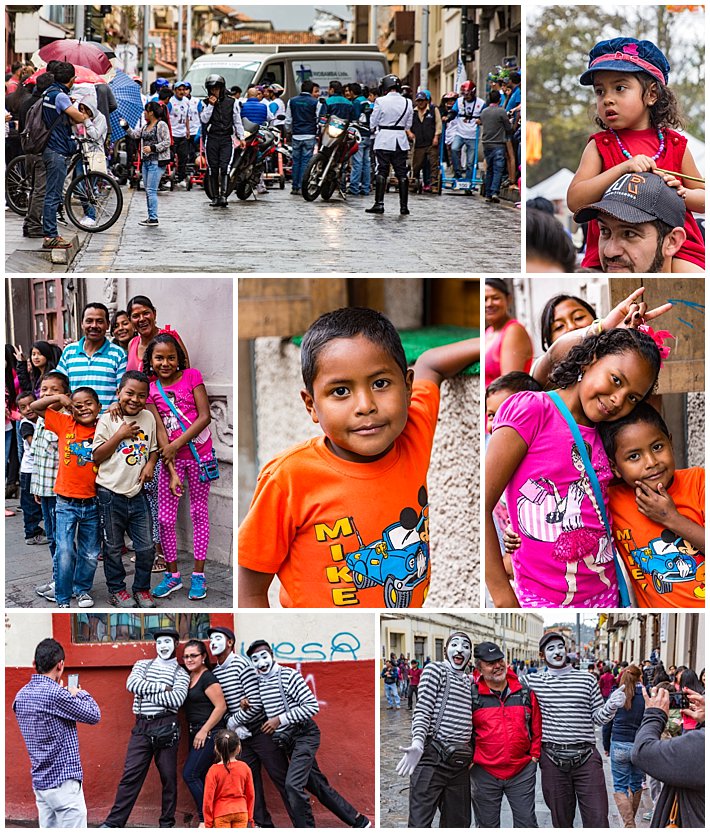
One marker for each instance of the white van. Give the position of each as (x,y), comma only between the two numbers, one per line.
(290,65)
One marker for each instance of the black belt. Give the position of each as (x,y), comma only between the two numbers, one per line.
(394,127)
(156,716)
(80,500)
(564,746)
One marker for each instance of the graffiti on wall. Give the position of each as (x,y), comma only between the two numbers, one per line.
(342,645)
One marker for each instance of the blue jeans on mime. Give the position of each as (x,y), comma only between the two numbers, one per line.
(152,174)
(302,151)
(495,167)
(78,546)
(56,165)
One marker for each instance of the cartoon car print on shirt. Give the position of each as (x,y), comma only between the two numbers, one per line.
(82,451)
(398,561)
(667,560)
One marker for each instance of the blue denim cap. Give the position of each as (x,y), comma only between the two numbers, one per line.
(627,55)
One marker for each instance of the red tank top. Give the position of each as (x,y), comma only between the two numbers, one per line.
(645,142)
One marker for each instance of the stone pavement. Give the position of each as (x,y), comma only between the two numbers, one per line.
(281,233)
(395,731)
(27,566)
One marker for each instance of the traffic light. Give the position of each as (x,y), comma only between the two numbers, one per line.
(469,39)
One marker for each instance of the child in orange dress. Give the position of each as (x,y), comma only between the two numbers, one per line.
(229,786)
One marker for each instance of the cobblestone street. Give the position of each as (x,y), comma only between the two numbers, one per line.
(395,731)
(278,232)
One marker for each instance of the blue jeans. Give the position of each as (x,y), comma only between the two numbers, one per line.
(456,146)
(49,512)
(121,514)
(55,165)
(626,777)
(31,511)
(78,546)
(152,174)
(195,769)
(302,151)
(392,694)
(361,169)
(495,167)
(88,208)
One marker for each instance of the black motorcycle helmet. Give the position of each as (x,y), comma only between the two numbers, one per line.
(390,82)
(215,81)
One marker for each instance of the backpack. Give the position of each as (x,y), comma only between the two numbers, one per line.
(36,134)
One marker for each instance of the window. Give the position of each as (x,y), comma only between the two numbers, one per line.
(48,313)
(136,627)
(420,649)
(439,650)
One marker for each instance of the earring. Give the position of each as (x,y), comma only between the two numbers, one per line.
(579,378)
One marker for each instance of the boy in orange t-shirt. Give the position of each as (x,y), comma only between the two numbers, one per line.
(78,535)
(342,519)
(657,513)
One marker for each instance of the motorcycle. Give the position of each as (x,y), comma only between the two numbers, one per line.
(339,141)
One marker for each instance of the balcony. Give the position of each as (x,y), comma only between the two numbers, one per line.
(400,37)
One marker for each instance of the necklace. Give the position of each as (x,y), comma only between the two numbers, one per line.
(626,153)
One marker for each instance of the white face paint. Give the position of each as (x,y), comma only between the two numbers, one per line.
(458,652)
(165,646)
(555,653)
(262,661)
(218,643)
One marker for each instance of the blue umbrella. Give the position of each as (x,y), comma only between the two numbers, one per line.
(130,103)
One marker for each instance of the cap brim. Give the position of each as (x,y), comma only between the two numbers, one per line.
(587,78)
(618,210)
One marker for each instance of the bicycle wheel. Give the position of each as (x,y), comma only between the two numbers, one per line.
(93,194)
(17,186)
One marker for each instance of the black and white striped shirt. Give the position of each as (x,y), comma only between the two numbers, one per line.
(571,705)
(147,683)
(456,724)
(284,694)
(238,679)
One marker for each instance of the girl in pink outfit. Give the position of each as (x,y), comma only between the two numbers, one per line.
(178,401)
(566,557)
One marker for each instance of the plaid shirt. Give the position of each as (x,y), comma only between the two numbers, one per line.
(45,448)
(47,714)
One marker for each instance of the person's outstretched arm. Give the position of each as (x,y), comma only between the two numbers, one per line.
(446,361)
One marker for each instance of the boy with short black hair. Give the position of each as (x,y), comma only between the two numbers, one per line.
(78,536)
(126,451)
(31,512)
(342,519)
(657,511)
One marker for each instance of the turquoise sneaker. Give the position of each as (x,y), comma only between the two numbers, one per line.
(168,585)
(198,587)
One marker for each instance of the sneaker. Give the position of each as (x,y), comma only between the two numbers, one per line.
(198,587)
(144,599)
(149,222)
(296,191)
(39,538)
(168,585)
(88,221)
(362,821)
(647,816)
(122,598)
(495,198)
(56,243)
(84,600)
(64,605)
(46,591)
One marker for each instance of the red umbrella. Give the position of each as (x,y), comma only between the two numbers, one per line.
(83,76)
(84,53)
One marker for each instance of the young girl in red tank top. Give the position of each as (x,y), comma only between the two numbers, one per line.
(637,112)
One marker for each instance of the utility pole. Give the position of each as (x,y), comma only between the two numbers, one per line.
(424,64)
(188,39)
(179,44)
(373,23)
(146,36)
(579,638)
(79,21)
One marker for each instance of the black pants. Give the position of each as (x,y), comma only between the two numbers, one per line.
(34,166)
(435,785)
(257,750)
(584,785)
(219,153)
(139,755)
(396,158)
(304,775)
(411,693)
(181,151)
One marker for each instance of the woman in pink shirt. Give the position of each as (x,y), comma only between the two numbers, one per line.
(508,345)
(142,313)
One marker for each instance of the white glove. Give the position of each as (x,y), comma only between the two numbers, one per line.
(242,732)
(410,759)
(617,698)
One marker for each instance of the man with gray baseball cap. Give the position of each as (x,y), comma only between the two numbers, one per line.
(641,225)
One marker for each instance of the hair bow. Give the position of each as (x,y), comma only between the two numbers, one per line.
(659,337)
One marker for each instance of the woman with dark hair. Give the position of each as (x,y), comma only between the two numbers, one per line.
(122,329)
(659,675)
(205,709)
(143,316)
(508,345)
(562,314)
(689,680)
(12,417)
(44,358)
(154,138)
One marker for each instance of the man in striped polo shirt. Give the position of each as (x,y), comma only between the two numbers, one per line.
(441,752)
(159,687)
(290,707)
(94,361)
(571,766)
(239,682)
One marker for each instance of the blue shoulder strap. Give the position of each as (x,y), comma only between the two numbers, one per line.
(176,414)
(594,481)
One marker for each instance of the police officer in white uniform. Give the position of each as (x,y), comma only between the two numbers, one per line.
(390,121)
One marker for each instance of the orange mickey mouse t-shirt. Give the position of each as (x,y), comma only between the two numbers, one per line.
(665,570)
(344,534)
(76,476)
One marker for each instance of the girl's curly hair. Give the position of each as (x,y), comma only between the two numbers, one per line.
(666,112)
(163,338)
(614,342)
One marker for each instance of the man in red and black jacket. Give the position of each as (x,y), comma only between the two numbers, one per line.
(507,729)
